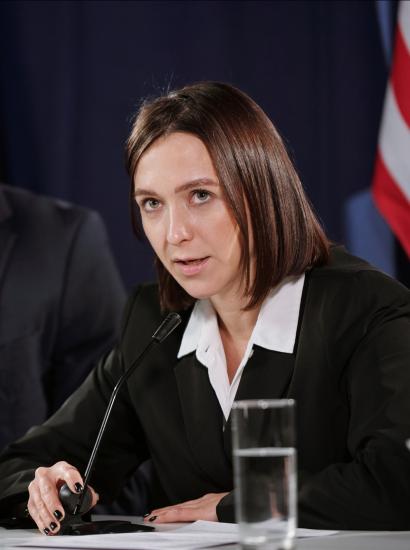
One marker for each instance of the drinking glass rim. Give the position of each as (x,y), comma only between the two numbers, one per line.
(263,403)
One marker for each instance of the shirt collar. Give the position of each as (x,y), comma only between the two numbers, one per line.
(275,327)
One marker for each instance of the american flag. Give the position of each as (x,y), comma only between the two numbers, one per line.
(391,183)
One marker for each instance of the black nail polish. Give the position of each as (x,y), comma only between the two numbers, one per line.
(78,487)
(53,525)
(153,518)
(58,514)
(46,531)
(146,515)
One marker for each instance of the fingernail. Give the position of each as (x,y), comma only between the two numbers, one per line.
(153,518)
(58,514)
(53,525)
(46,531)
(78,487)
(145,515)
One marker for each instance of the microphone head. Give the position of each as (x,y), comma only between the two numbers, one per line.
(170,322)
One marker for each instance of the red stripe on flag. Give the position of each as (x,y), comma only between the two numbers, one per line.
(392,203)
(400,76)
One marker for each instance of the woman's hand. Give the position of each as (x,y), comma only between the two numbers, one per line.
(43,505)
(192,510)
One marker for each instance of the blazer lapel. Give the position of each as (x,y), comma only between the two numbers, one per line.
(203,418)
(267,375)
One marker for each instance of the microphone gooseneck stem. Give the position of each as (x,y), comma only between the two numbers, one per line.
(117,387)
(163,331)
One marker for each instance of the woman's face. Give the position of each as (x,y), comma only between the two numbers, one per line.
(185,217)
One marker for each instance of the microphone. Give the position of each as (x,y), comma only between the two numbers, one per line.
(77,504)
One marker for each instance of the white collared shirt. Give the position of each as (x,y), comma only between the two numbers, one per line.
(275,329)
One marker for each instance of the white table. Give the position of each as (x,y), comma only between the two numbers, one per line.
(344,540)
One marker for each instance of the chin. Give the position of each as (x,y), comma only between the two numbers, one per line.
(198,292)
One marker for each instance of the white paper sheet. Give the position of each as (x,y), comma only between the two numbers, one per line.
(201,534)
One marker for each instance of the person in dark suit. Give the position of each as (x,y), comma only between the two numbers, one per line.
(269,309)
(61,299)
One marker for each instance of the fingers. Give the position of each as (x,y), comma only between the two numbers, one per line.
(174,514)
(44,505)
(95,497)
(68,474)
(38,511)
(167,509)
(192,510)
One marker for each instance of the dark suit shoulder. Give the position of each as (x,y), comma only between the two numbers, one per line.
(347,271)
(350,295)
(142,317)
(33,213)
(341,261)
(144,298)
(142,313)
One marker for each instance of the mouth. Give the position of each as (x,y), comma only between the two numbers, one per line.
(190,261)
(191,266)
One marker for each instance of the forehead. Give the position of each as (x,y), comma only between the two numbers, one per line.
(174,158)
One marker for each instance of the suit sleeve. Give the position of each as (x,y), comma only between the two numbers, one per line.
(92,300)
(372,490)
(69,435)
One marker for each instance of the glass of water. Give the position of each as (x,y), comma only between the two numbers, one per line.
(263,439)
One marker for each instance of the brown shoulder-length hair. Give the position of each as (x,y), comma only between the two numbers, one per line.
(260,184)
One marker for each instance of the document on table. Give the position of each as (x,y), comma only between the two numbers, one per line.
(200,534)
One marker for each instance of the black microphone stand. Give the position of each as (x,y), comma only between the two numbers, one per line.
(74,504)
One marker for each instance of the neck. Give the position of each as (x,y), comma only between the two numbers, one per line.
(233,320)
(235,328)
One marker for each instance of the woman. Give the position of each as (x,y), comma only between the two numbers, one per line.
(269,310)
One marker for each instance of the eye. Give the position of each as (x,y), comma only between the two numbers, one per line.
(150,205)
(200,196)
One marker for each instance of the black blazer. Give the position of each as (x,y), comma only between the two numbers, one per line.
(61,300)
(350,377)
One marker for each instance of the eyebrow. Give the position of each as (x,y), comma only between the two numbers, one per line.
(181,188)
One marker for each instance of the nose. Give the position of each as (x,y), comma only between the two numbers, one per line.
(179,226)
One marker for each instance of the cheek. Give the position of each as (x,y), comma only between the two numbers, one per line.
(232,244)
(153,234)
